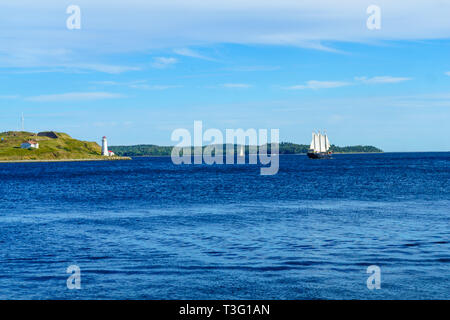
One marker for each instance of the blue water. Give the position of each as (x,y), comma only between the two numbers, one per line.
(147,229)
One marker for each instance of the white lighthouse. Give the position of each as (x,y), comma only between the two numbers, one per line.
(105,151)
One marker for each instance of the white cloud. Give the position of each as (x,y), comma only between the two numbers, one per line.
(72,68)
(159,87)
(382,79)
(108,83)
(192,54)
(35,60)
(313,84)
(137,84)
(448,73)
(252,68)
(236,85)
(163,62)
(106,68)
(33,71)
(74,96)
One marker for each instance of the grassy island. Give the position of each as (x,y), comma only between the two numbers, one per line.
(53,146)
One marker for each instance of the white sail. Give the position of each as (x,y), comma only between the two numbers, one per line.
(316,142)
(323,144)
(313,144)
(327,142)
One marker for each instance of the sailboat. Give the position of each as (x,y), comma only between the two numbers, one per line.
(320,146)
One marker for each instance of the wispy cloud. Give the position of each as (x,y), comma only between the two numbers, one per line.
(108,83)
(313,84)
(49,66)
(192,54)
(295,40)
(159,87)
(237,85)
(163,62)
(448,73)
(382,79)
(253,68)
(34,70)
(74,96)
(137,84)
(105,68)
(8,97)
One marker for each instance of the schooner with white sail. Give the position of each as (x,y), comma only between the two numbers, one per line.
(320,146)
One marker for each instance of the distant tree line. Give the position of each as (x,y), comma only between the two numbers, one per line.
(351,149)
(284,148)
(141,150)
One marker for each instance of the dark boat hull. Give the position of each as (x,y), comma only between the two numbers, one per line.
(319,155)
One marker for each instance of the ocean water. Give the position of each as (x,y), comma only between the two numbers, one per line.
(148,229)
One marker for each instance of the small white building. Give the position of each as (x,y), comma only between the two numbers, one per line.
(30,144)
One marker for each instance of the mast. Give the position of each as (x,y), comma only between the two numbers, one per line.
(320,142)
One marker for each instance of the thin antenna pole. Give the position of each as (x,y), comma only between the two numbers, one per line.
(23,120)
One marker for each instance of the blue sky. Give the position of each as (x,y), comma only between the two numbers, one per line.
(138,72)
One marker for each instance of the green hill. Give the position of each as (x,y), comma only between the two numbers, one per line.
(52,146)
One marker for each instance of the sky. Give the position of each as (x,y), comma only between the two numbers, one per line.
(137,70)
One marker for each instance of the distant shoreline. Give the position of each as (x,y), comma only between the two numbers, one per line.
(283,148)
